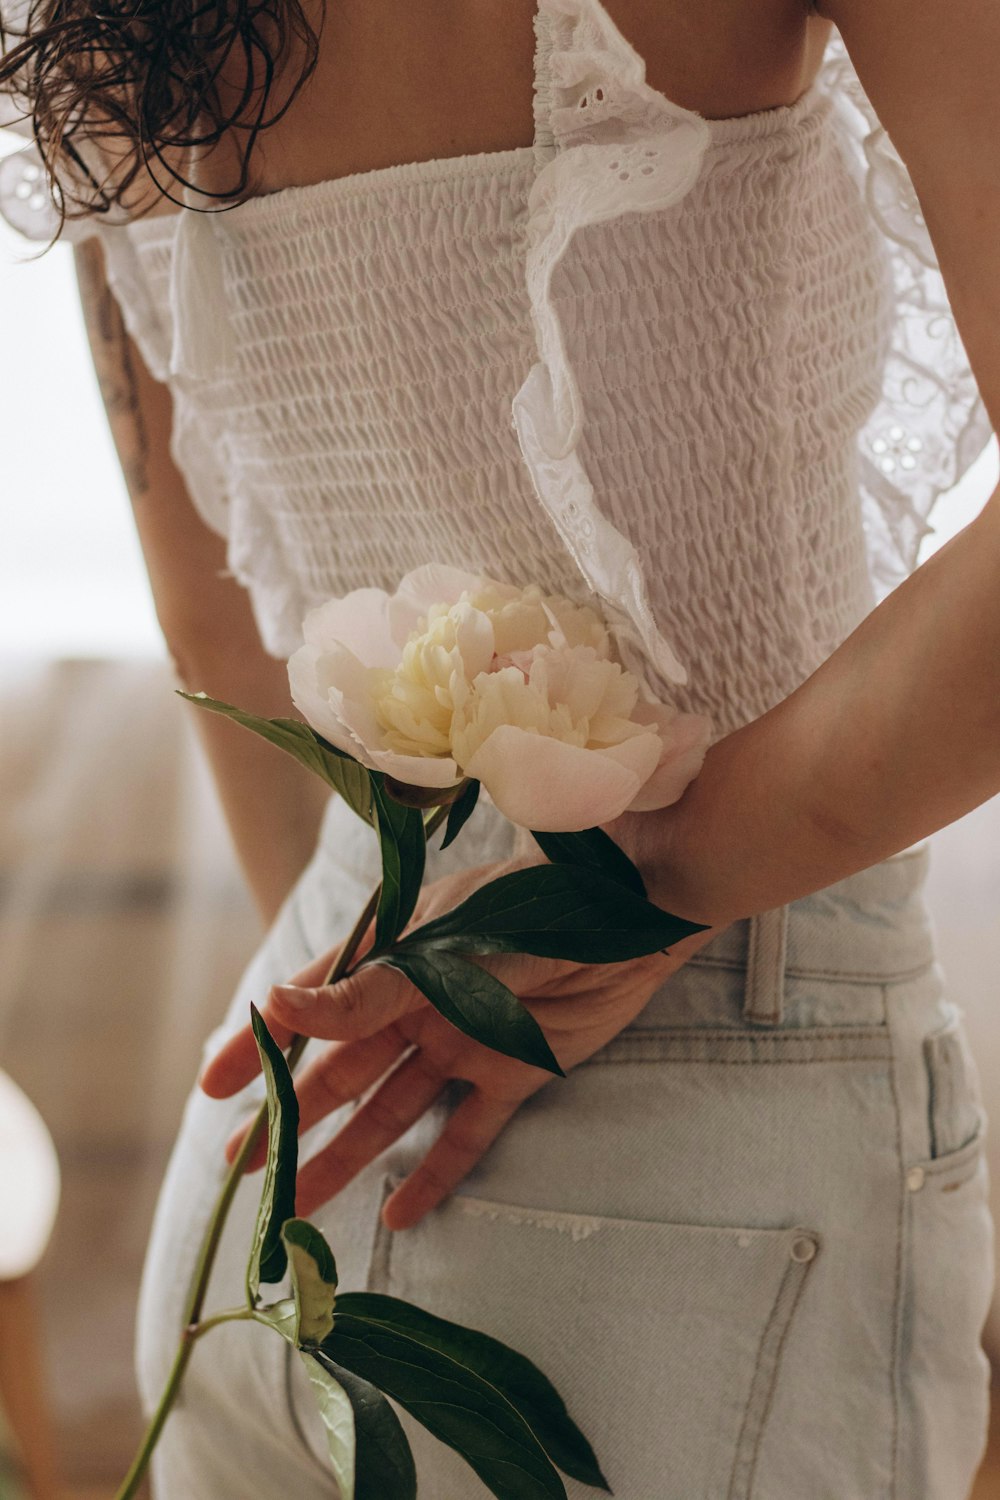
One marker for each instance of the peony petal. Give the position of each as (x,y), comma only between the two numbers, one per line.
(313,702)
(349,690)
(434,583)
(640,754)
(545,784)
(417,770)
(474,638)
(686,738)
(359,621)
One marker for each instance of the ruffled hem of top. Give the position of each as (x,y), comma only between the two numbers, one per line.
(198,446)
(931,424)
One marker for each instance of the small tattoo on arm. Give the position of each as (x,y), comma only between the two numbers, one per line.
(115,366)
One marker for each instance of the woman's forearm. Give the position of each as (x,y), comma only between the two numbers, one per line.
(272,805)
(896,735)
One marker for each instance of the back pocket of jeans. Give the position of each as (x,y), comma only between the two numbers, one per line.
(947,1291)
(954,1096)
(664,1340)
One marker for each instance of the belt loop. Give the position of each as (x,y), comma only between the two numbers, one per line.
(764,996)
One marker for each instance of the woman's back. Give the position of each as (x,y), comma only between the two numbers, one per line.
(418,80)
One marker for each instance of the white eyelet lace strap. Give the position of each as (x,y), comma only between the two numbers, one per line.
(609,145)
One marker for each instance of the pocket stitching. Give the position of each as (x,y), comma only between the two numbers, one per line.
(715,1045)
(762,1386)
(940,1166)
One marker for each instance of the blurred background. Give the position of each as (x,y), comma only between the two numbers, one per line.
(124,924)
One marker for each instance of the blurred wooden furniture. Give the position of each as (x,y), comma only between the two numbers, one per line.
(23,1387)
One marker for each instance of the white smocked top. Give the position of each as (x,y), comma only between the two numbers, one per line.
(704,370)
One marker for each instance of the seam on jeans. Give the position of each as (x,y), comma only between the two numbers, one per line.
(895,1362)
(765,1372)
(835,976)
(754,1049)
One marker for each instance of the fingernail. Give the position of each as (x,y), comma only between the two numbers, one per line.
(292,998)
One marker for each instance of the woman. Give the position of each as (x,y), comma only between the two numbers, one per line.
(748,1236)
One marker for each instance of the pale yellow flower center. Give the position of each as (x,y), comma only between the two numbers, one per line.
(503,655)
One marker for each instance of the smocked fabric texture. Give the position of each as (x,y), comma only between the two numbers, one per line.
(703,370)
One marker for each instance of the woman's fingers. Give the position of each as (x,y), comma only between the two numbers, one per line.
(470,1132)
(232,1068)
(356,1007)
(380,1121)
(238,1062)
(343,1073)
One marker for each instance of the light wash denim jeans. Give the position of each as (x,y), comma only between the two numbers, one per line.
(749,1240)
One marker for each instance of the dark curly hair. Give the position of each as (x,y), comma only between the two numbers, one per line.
(146,81)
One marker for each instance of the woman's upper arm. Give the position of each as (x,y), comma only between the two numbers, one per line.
(929,69)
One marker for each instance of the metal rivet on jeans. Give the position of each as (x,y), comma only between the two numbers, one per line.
(803,1249)
(915,1179)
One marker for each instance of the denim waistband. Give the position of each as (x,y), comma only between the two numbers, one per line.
(871,927)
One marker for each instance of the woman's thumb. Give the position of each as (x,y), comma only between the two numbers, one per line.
(357,1006)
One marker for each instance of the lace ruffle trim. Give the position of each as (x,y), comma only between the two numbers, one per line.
(608,144)
(930,424)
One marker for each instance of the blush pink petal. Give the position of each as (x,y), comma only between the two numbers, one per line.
(686,738)
(313,702)
(547,785)
(359,621)
(416,770)
(640,754)
(434,583)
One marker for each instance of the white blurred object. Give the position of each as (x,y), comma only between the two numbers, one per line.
(29,1183)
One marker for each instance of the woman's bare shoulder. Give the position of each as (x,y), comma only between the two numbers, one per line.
(726,57)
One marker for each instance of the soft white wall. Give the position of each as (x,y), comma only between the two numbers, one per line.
(71,575)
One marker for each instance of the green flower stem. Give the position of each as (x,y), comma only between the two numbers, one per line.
(194,1328)
(185,1349)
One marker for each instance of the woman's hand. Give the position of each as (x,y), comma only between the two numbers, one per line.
(379,1022)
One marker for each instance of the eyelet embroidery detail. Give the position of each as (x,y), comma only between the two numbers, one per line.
(613,145)
(931,424)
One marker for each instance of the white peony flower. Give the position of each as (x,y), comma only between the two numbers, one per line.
(460,676)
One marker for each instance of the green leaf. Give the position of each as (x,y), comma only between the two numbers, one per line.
(453,1401)
(339,770)
(553,911)
(337,1413)
(404,855)
(384,1466)
(268,1260)
(476,1002)
(461,811)
(282,1316)
(594,850)
(521,1382)
(314,1280)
